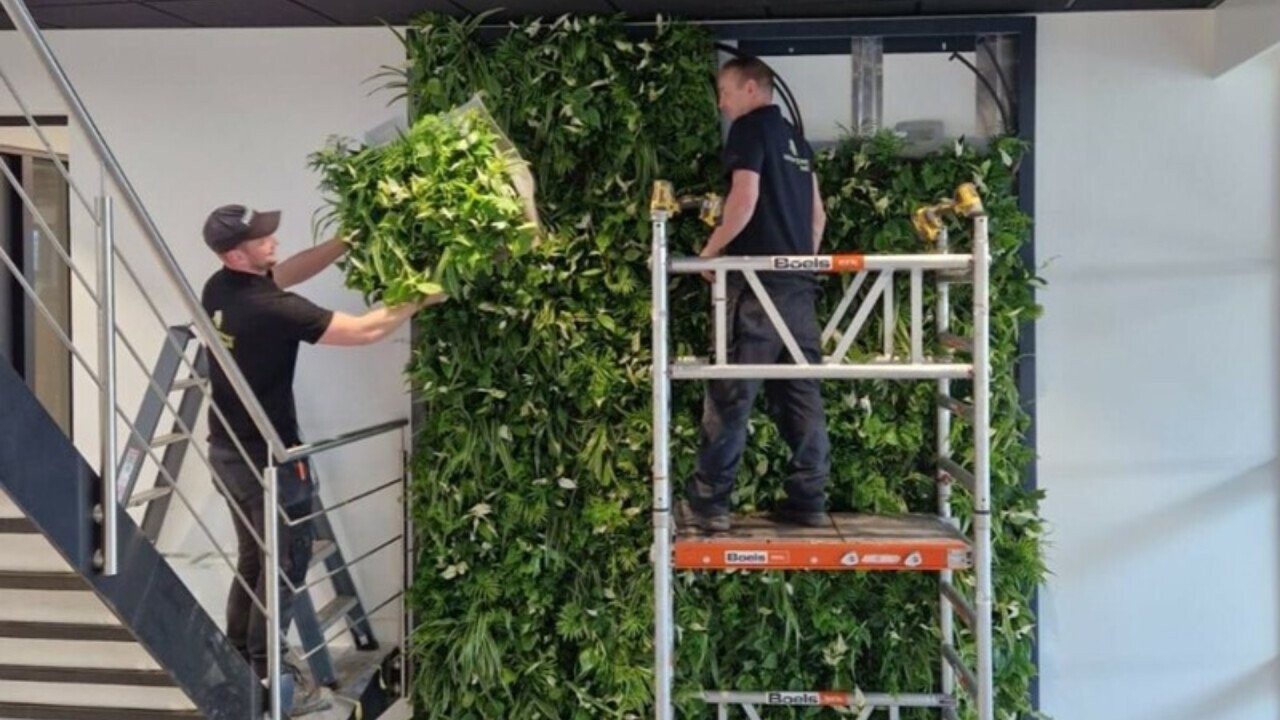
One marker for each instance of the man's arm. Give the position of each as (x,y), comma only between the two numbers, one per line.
(738,209)
(374,325)
(307,264)
(819,216)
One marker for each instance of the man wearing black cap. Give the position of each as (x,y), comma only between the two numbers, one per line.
(261,324)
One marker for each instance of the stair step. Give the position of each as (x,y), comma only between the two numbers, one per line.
(31,552)
(76,653)
(169,439)
(188,382)
(88,675)
(321,550)
(16,526)
(73,701)
(63,631)
(27,711)
(147,496)
(8,509)
(20,580)
(335,610)
(82,607)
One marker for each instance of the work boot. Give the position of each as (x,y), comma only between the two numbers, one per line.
(307,697)
(805,518)
(710,522)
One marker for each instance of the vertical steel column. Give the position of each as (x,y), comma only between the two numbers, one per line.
(107,385)
(982,464)
(946,617)
(406,567)
(664,611)
(271,501)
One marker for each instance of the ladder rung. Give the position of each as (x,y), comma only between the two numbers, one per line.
(956,407)
(169,439)
(321,550)
(335,610)
(190,382)
(143,498)
(963,607)
(956,342)
(952,469)
(967,678)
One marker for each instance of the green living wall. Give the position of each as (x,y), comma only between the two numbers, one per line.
(531,491)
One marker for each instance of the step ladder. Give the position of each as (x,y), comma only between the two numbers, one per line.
(851,541)
(176,358)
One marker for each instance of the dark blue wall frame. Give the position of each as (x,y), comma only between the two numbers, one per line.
(831,37)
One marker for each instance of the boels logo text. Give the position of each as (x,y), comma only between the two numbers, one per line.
(747,557)
(816,264)
(792,698)
(848,262)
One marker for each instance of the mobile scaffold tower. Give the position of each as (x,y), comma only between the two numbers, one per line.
(851,541)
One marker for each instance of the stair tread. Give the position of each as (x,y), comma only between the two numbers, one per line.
(321,550)
(88,675)
(334,610)
(17,526)
(30,711)
(37,630)
(41,580)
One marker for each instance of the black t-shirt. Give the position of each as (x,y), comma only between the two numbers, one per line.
(261,325)
(764,142)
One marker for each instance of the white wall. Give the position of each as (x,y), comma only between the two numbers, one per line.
(1157,222)
(1242,30)
(201,118)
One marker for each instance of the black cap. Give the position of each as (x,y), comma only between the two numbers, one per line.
(230,225)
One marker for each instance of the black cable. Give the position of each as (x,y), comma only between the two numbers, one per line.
(1004,79)
(788,99)
(1004,114)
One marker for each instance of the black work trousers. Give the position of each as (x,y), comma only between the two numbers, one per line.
(794,405)
(246,625)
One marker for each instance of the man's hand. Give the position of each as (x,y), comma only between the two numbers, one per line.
(435,299)
(708,275)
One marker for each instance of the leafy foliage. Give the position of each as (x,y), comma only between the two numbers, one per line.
(426,212)
(531,489)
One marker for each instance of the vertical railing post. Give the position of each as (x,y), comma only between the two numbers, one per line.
(107,385)
(982,464)
(664,603)
(271,523)
(946,618)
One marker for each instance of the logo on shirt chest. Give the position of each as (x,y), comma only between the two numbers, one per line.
(793,156)
(228,341)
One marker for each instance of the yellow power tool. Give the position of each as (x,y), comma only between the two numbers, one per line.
(928,220)
(710,206)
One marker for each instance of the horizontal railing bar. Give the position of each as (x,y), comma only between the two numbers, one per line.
(294,522)
(820,263)
(953,470)
(301,451)
(845,371)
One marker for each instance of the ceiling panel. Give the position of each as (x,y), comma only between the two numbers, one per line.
(105,15)
(246,13)
(372,12)
(295,13)
(547,8)
(703,9)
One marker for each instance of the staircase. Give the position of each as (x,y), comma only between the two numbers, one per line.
(95,623)
(77,645)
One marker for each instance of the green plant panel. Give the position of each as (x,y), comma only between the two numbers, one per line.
(531,492)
